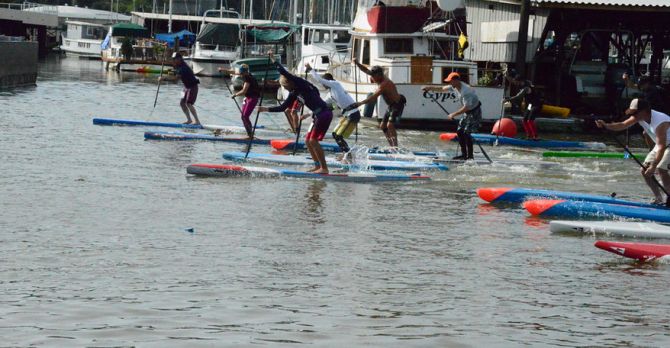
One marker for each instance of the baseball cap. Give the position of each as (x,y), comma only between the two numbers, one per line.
(636,105)
(452,76)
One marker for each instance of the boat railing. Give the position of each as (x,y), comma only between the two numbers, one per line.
(30,6)
(217,47)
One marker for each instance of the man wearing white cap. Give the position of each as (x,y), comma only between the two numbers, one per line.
(657,125)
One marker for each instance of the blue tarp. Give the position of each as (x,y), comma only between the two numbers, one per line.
(185,37)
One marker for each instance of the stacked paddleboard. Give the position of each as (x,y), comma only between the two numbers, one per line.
(492,139)
(229,170)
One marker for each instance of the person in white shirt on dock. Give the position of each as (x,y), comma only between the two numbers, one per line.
(350,118)
(657,125)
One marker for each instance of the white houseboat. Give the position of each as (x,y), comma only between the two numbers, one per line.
(323,46)
(413,54)
(217,43)
(83,39)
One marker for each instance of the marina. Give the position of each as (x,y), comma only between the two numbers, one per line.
(124,223)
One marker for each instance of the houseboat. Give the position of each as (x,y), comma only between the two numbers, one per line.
(421,49)
(83,39)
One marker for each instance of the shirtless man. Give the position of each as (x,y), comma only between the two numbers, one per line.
(395,101)
(657,125)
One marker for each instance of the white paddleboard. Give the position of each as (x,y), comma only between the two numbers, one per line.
(618,228)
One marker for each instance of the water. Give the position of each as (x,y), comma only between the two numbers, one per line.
(105,241)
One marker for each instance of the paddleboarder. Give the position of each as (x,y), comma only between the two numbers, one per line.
(395,101)
(472,109)
(343,100)
(190,92)
(657,125)
(532,100)
(251,92)
(300,89)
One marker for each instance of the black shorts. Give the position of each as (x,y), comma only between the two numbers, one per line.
(394,111)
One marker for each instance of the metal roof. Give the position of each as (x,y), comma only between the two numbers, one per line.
(635,3)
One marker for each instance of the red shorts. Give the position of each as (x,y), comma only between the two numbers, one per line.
(320,124)
(190,95)
(296,106)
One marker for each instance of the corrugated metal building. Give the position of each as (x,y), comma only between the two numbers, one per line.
(493,30)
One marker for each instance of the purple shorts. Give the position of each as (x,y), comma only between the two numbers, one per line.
(190,95)
(320,124)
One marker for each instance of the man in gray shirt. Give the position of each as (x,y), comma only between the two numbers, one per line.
(472,109)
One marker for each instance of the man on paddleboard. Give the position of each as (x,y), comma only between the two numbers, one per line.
(190,92)
(308,94)
(657,125)
(395,101)
(472,109)
(531,100)
(344,101)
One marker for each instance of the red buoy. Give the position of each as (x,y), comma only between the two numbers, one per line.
(504,127)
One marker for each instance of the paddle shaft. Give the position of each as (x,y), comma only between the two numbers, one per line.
(473,139)
(653,177)
(260,103)
(160,77)
(231,93)
(502,111)
(297,133)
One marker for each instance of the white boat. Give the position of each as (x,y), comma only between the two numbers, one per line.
(323,46)
(412,55)
(83,39)
(217,43)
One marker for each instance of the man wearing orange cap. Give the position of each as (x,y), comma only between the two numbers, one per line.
(472,109)
(657,125)
(395,101)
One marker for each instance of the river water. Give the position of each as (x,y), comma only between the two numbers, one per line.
(96,251)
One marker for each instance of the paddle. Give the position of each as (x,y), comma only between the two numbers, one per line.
(631,155)
(502,111)
(297,133)
(231,93)
(473,139)
(160,77)
(260,102)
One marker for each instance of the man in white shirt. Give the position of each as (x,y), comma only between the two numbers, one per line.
(657,125)
(343,100)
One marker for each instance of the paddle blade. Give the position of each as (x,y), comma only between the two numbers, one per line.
(539,206)
(281,144)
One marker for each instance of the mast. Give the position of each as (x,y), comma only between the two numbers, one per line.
(170,18)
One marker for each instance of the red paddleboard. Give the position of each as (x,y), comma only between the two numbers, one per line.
(639,251)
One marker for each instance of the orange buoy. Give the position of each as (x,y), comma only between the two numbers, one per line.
(505,127)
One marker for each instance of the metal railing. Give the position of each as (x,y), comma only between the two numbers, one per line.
(30,6)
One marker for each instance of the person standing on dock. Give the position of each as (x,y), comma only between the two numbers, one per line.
(344,101)
(251,92)
(190,93)
(532,102)
(395,101)
(300,89)
(472,109)
(657,125)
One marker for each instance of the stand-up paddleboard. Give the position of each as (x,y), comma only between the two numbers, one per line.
(560,207)
(611,228)
(227,170)
(640,251)
(202,137)
(586,154)
(518,195)
(287,144)
(491,139)
(122,122)
(306,160)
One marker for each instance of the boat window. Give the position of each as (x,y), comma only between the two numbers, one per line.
(341,37)
(305,39)
(396,46)
(442,49)
(366,52)
(354,48)
(320,36)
